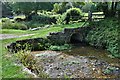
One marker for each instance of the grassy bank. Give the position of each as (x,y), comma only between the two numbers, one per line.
(42,32)
(9,70)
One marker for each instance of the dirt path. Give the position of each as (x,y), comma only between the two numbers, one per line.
(8,36)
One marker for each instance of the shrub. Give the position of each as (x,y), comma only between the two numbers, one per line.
(33,24)
(7,24)
(19,26)
(59,47)
(5,19)
(60,8)
(60,19)
(25,57)
(105,35)
(45,19)
(73,14)
(89,7)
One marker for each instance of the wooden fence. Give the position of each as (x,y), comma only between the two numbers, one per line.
(96,16)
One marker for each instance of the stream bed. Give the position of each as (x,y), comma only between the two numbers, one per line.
(79,62)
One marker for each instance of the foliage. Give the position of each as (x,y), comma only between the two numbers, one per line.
(56,7)
(89,7)
(109,70)
(42,45)
(105,34)
(73,14)
(7,24)
(109,8)
(6,9)
(28,60)
(60,8)
(45,19)
(23,7)
(28,7)
(59,47)
(60,19)
(5,19)
(33,24)
(78,4)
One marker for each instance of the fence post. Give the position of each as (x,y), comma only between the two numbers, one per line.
(89,16)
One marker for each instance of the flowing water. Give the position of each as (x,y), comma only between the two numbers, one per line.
(92,52)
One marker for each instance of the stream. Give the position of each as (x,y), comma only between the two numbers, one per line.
(92,52)
(82,61)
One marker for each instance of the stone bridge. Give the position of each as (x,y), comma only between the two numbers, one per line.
(69,35)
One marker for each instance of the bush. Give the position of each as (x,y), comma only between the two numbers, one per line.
(105,35)
(89,7)
(25,57)
(7,24)
(33,24)
(60,8)
(60,19)
(59,47)
(45,19)
(73,14)
(5,19)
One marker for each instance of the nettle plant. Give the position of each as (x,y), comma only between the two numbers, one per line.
(25,57)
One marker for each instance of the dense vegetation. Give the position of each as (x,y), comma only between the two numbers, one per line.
(20,18)
(105,34)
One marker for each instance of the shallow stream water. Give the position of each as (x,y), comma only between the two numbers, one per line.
(81,61)
(92,52)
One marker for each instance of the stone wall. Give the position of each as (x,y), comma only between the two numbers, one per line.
(32,44)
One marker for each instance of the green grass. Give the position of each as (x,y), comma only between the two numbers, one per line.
(9,70)
(0,59)
(13,31)
(42,32)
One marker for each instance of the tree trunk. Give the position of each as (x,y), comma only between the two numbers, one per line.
(28,17)
(119,15)
(113,9)
(105,10)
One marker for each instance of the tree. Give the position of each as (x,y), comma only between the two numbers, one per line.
(73,14)
(61,7)
(31,8)
(6,9)
(109,8)
(89,7)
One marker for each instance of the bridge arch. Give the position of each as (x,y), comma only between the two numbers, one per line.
(75,38)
